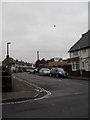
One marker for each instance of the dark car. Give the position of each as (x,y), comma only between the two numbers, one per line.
(58,72)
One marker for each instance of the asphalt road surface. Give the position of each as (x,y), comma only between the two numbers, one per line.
(68,99)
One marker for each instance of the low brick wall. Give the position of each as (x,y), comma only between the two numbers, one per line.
(85,74)
(74,73)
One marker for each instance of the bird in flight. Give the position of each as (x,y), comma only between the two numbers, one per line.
(54,25)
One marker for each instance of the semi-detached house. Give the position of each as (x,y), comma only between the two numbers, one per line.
(80,56)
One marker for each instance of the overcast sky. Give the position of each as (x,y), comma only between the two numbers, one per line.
(30,28)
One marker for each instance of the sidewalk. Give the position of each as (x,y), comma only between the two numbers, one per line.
(20,91)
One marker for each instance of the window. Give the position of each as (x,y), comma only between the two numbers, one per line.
(75,53)
(75,66)
(83,64)
(84,51)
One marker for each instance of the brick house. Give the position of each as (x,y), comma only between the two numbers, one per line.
(60,63)
(53,63)
(80,56)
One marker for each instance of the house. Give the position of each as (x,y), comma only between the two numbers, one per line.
(80,56)
(60,63)
(16,65)
(11,61)
(54,62)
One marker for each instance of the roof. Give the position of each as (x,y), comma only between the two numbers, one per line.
(11,61)
(84,42)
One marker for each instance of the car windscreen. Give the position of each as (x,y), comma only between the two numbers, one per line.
(45,69)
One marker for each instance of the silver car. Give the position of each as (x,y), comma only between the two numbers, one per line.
(44,71)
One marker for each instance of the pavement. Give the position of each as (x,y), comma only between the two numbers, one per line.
(20,91)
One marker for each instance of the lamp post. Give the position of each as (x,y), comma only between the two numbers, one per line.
(8,56)
(8,49)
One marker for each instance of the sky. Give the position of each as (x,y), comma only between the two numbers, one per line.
(48,27)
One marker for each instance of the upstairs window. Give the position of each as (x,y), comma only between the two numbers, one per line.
(75,53)
(84,51)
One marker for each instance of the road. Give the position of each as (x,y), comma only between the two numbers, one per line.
(68,99)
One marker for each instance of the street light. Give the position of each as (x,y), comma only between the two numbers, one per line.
(8,55)
(8,49)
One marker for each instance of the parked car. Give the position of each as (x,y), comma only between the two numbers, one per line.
(20,70)
(58,72)
(32,70)
(27,70)
(44,71)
